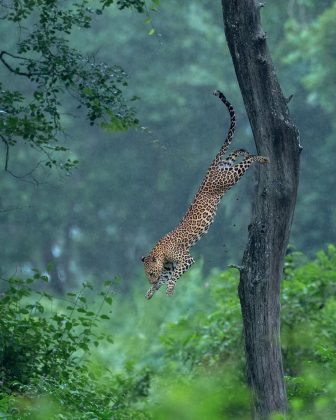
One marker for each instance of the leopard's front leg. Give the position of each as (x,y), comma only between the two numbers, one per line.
(181,267)
(163,279)
(153,289)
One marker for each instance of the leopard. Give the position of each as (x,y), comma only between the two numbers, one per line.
(170,257)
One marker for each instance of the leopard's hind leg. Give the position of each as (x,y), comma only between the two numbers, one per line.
(225,177)
(237,171)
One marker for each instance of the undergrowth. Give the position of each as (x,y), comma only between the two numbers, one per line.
(168,358)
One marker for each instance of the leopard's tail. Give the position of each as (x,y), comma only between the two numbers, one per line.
(231,131)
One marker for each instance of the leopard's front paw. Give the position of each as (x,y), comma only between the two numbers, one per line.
(170,290)
(150,293)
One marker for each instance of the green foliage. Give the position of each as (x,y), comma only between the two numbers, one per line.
(306,65)
(199,340)
(308,333)
(215,395)
(35,344)
(311,44)
(199,359)
(180,357)
(55,72)
(202,342)
(45,368)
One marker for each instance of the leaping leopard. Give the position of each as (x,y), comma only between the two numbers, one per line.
(170,257)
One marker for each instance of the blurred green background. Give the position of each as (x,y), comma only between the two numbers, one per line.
(132,188)
(181,357)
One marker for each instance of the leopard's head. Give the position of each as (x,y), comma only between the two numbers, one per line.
(153,267)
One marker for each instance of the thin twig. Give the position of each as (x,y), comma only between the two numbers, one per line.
(9,67)
(21,177)
(18,72)
(7,152)
(17,208)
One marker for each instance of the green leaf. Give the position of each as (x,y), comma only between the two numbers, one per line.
(108,283)
(50,267)
(87,91)
(116,124)
(82,310)
(108,299)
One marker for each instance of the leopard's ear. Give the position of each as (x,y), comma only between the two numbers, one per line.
(143,259)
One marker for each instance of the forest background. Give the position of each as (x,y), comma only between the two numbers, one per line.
(129,188)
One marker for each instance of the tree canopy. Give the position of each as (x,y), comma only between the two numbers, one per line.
(55,73)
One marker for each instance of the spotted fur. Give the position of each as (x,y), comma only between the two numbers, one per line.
(170,257)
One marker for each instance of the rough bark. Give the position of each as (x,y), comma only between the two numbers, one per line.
(276,137)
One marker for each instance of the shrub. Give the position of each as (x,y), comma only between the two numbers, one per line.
(45,347)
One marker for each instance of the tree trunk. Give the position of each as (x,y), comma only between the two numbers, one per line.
(276,137)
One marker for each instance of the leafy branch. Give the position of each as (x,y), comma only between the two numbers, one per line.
(58,76)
